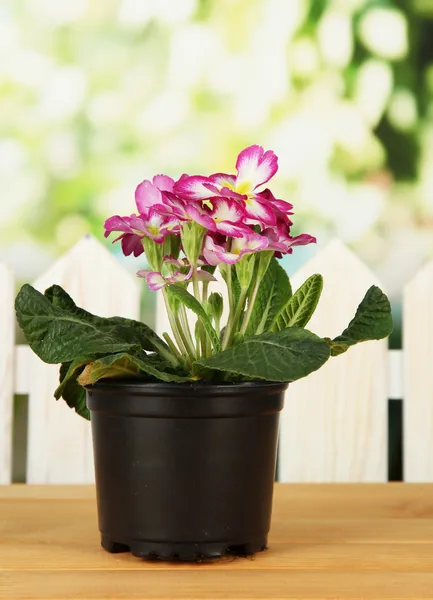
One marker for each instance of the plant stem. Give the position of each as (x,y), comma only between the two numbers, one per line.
(228,280)
(201,330)
(218,326)
(251,303)
(172,355)
(229,287)
(189,346)
(186,330)
(231,325)
(174,327)
(204,290)
(172,346)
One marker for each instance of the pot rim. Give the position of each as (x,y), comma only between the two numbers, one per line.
(186,400)
(134,386)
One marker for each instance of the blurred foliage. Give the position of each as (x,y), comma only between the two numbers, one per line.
(96,95)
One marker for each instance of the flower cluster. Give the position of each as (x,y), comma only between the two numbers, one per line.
(188,229)
(217,219)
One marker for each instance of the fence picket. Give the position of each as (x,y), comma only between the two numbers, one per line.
(418,376)
(59,442)
(334,425)
(7,337)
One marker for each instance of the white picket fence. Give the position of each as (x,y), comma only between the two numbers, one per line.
(334,425)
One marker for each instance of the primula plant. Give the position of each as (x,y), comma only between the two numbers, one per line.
(189,230)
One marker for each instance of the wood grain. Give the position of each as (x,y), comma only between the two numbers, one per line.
(326,541)
(7,340)
(59,443)
(203,584)
(334,424)
(418,376)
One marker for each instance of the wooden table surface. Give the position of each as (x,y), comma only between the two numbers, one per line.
(327,541)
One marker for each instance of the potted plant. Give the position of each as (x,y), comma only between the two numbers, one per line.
(185,426)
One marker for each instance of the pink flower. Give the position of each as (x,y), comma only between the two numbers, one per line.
(180,263)
(194,187)
(156,280)
(157,226)
(255,167)
(130,240)
(134,228)
(148,194)
(174,206)
(219,215)
(281,241)
(164,182)
(232,209)
(215,253)
(226,217)
(281,208)
(131,244)
(264,209)
(259,211)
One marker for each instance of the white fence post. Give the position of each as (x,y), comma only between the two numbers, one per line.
(7,341)
(59,441)
(418,377)
(334,425)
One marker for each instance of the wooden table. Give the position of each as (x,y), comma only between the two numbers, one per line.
(327,541)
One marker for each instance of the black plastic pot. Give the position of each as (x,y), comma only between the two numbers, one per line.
(184,471)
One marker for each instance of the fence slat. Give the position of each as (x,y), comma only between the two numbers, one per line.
(334,425)
(59,441)
(395,370)
(7,337)
(22,380)
(418,376)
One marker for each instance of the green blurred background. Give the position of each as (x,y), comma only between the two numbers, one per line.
(96,95)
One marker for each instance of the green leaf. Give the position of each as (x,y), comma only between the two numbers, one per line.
(336,348)
(113,366)
(68,372)
(60,335)
(301,306)
(134,332)
(83,371)
(127,365)
(140,333)
(190,302)
(73,394)
(58,331)
(286,355)
(372,321)
(274,292)
(58,297)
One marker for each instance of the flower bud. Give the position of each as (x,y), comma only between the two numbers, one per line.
(245,270)
(192,240)
(154,253)
(171,246)
(216,305)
